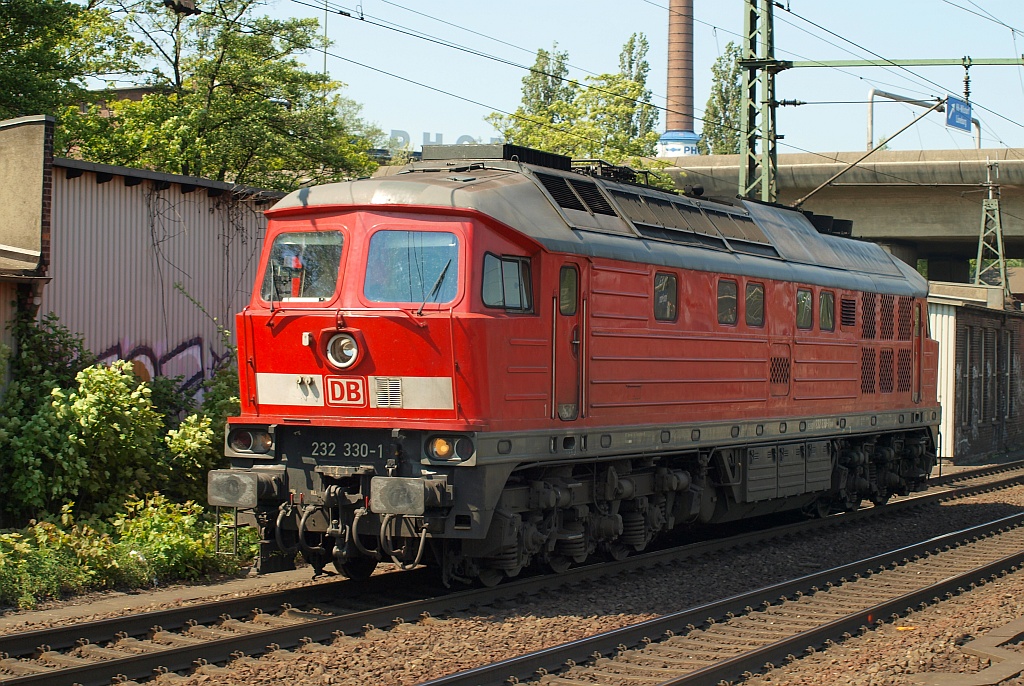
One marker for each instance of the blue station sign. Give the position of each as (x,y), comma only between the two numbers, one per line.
(958,113)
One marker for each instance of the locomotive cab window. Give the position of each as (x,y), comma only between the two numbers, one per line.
(303,266)
(804,309)
(507,283)
(412,267)
(827,311)
(666,297)
(727,291)
(754,311)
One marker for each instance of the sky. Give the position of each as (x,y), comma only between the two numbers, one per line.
(409,84)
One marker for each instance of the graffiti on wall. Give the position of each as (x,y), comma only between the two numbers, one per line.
(187,359)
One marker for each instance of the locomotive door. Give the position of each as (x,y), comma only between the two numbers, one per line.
(918,351)
(569,307)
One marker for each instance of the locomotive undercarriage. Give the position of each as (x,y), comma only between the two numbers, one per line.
(555,515)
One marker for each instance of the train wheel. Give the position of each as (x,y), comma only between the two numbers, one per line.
(356,568)
(879,499)
(491,576)
(818,509)
(559,563)
(618,551)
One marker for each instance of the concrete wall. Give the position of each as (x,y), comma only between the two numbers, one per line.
(926,200)
(26,153)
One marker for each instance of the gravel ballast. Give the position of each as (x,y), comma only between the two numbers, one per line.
(930,640)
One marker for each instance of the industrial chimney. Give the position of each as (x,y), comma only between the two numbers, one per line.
(679,138)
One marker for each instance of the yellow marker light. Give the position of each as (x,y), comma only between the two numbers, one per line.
(441,448)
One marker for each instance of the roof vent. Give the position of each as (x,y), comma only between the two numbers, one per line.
(496,151)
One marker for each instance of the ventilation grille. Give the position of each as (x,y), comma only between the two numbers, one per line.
(779,374)
(867,315)
(560,191)
(904,371)
(885,371)
(887,317)
(592,197)
(389,392)
(848,312)
(576,194)
(867,370)
(905,321)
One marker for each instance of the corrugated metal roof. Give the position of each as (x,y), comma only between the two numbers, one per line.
(132,176)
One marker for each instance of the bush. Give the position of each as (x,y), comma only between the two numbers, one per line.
(151,541)
(95,434)
(95,444)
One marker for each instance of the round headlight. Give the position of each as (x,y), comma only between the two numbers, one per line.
(441,448)
(464,448)
(342,350)
(241,440)
(261,442)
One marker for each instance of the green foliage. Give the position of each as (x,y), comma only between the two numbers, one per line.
(48,354)
(94,444)
(151,541)
(48,357)
(50,48)
(193,451)
(721,130)
(173,541)
(171,400)
(608,116)
(231,101)
(111,427)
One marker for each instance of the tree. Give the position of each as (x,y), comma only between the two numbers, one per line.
(548,110)
(51,48)
(547,82)
(229,100)
(721,130)
(608,116)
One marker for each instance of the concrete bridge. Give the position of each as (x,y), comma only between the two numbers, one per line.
(919,204)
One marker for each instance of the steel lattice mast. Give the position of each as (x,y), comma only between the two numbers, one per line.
(758,165)
(990,266)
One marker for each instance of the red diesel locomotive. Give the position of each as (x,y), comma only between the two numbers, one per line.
(498,360)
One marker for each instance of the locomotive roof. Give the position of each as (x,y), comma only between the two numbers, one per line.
(569,212)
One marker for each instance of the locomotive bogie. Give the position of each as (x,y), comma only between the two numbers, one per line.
(517,366)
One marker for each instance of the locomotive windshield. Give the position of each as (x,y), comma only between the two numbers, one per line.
(303,266)
(412,267)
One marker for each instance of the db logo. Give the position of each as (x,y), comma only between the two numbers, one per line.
(346,390)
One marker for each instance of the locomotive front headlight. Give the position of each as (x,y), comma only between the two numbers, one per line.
(342,350)
(262,442)
(241,440)
(464,448)
(441,448)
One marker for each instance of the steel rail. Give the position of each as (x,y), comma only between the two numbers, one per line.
(552,659)
(175,659)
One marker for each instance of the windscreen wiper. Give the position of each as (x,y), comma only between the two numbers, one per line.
(437,286)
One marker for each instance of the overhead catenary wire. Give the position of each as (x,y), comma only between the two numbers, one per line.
(296,45)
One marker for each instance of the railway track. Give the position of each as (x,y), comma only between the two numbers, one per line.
(139,646)
(733,638)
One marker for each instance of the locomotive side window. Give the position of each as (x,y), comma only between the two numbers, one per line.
(754,311)
(412,267)
(303,266)
(666,297)
(727,292)
(568,288)
(507,283)
(804,309)
(827,311)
